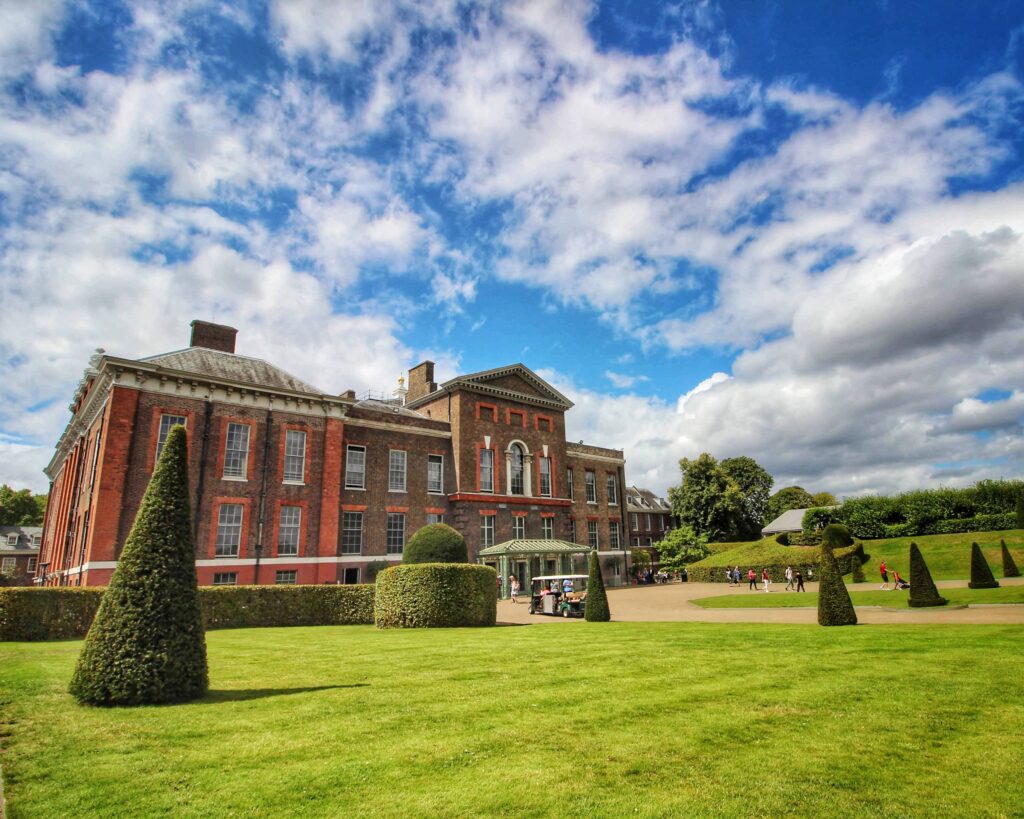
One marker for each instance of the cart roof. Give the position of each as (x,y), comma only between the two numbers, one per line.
(561,577)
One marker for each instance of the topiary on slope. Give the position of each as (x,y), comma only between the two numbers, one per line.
(436,543)
(1020,511)
(596,610)
(1009,566)
(922,588)
(836,536)
(834,605)
(146,645)
(981,573)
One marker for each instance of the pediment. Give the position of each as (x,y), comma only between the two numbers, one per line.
(515,381)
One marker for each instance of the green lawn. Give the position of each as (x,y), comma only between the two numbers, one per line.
(587,719)
(948,556)
(877,597)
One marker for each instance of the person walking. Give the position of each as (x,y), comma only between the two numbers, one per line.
(751,580)
(798,575)
(766,579)
(789,578)
(884,571)
(737,576)
(513,588)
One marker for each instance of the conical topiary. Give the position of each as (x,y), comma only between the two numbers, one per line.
(1020,511)
(922,588)
(146,645)
(981,573)
(858,569)
(834,605)
(595,610)
(1009,566)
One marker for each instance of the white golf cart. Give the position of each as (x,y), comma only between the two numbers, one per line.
(559,594)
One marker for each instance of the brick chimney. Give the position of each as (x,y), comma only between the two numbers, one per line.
(213,336)
(421,381)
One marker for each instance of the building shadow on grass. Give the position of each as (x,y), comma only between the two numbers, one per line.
(215,695)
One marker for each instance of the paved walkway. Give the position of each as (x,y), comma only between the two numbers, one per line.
(672,603)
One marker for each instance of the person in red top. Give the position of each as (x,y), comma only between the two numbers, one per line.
(752,578)
(884,571)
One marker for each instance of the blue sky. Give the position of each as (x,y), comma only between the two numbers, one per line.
(785,230)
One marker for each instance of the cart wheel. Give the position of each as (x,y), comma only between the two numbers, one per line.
(565,612)
(532,611)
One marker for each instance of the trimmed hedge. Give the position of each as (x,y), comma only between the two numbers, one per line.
(436,543)
(1009,566)
(981,572)
(710,569)
(922,588)
(595,608)
(834,605)
(66,613)
(436,595)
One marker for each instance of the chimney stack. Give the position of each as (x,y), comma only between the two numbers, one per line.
(421,381)
(213,336)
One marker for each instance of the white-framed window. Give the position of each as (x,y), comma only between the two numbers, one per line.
(229,530)
(294,456)
(355,467)
(32,563)
(37,541)
(486,470)
(547,526)
(519,527)
(592,539)
(7,565)
(236,451)
(285,577)
(166,422)
(591,479)
(225,578)
(435,474)
(487,530)
(434,517)
(288,530)
(545,477)
(636,524)
(568,484)
(613,537)
(396,470)
(352,533)
(95,456)
(649,528)
(396,533)
(572,530)
(12,540)
(516,484)
(613,490)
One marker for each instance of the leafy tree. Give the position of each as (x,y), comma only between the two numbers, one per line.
(146,645)
(789,497)
(19,507)
(681,546)
(755,483)
(595,609)
(834,605)
(436,543)
(823,499)
(1009,566)
(708,500)
(641,560)
(981,572)
(922,588)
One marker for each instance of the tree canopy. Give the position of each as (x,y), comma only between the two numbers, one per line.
(681,546)
(721,501)
(19,507)
(789,497)
(755,483)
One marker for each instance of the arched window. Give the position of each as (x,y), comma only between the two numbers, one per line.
(516,480)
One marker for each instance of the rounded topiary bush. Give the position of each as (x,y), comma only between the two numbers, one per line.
(836,536)
(436,595)
(147,645)
(596,607)
(981,572)
(436,543)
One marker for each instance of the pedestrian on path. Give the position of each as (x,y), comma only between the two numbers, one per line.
(799,581)
(766,579)
(789,578)
(513,588)
(736,575)
(884,571)
(751,580)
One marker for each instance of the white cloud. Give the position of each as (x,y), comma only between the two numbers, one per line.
(624,381)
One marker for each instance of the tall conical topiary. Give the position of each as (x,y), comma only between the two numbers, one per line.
(981,573)
(1020,511)
(922,588)
(1009,566)
(146,644)
(596,608)
(834,605)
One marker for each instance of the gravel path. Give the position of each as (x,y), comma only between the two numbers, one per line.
(672,603)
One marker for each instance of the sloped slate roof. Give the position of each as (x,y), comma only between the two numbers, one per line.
(790,521)
(232,367)
(533,547)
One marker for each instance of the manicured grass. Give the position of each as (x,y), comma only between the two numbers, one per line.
(891,599)
(948,556)
(594,719)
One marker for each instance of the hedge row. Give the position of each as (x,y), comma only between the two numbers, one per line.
(66,613)
(777,571)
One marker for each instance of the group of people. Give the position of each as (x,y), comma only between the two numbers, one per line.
(794,578)
(553,588)
(898,583)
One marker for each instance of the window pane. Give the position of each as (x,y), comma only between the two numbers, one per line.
(285,578)
(229,530)
(487,530)
(516,487)
(486,470)
(236,451)
(545,477)
(396,471)
(288,533)
(294,455)
(519,527)
(568,483)
(435,473)
(396,533)
(225,578)
(613,490)
(613,533)
(591,487)
(355,467)
(433,517)
(592,534)
(549,527)
(166,422)
(352,533)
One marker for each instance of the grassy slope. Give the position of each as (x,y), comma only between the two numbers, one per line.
(948,556)
(652,719)
(893,599)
